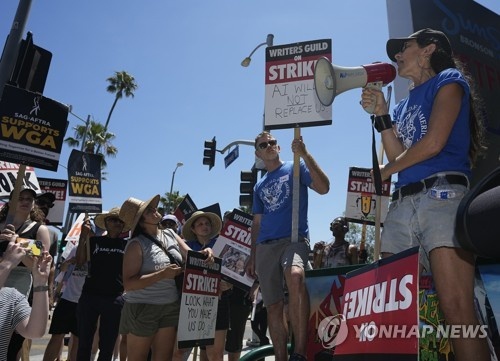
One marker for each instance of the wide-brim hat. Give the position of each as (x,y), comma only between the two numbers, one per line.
(215,220)
(476,225)
(132,209)
(395,45)
(100,219)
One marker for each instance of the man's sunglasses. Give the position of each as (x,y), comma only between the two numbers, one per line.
(264,145)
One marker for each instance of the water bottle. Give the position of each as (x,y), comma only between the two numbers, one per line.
(441,189)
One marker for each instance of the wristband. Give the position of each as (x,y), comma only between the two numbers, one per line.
(382,122)
(40,288)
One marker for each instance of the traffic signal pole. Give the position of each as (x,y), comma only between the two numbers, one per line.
(13,42)
(7,63)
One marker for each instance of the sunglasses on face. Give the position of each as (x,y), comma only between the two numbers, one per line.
(270,143)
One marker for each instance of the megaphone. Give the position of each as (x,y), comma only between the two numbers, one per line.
(331,80)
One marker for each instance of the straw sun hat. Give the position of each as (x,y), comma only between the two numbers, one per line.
(100,219)
(214,219)
(133,208)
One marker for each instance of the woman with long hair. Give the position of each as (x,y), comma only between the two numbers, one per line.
(431,144)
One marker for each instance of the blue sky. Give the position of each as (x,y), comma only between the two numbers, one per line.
(185,56)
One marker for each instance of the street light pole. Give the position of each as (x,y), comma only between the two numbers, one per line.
(170,203)
(259,164)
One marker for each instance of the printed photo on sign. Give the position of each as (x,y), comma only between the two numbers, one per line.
(233,246)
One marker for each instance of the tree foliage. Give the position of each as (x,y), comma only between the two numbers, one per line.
(93,136)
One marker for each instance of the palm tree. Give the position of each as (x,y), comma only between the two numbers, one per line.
(93,135)
(122,83)
(170,201)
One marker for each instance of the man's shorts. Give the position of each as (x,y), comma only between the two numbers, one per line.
(64,318)
(144,320)
(272,258)
(419,220)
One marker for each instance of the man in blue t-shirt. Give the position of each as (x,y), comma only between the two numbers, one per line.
(274,256)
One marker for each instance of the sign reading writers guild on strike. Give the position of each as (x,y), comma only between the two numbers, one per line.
(32,128)
(291,100)
(199,300)
(84,176)
(361,203)
(58,188)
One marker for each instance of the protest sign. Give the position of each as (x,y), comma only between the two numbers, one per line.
(380,310)
(184,208)
(326,288)
(32,128)
(84,175)
(73,235)
(58,188)
(8,176)
(199,301)
(233,246)
(291,100)
(361,203)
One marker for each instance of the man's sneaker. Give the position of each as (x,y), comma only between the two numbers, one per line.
(297,357)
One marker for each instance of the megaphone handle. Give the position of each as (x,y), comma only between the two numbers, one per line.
(375,85)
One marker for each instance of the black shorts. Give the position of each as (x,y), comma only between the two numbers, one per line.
(239,311)
(64,318)
(222,322)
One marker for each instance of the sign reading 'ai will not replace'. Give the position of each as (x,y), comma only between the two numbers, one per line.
(291,100)
(32,128)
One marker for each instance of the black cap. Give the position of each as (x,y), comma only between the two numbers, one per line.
(47,195)
(24,188)
(394,46)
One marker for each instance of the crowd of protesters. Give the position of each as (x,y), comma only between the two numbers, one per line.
(122,282)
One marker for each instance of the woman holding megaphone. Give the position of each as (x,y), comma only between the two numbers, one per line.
(431,144)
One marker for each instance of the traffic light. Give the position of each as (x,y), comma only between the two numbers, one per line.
(209,153)
(248,180)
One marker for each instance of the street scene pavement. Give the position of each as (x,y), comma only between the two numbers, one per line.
(38,346)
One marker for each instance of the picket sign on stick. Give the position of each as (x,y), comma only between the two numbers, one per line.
(296,191)
(87,242)
(378,212)
(15,195)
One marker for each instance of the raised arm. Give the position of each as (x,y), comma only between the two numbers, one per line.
(320,182)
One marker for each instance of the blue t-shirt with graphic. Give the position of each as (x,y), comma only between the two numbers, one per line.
(272,198)
(412,118)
